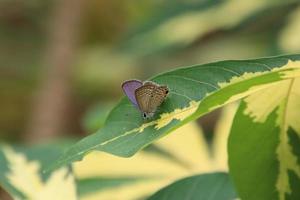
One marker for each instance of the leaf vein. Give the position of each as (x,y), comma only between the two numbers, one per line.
(194,80)
(185,96)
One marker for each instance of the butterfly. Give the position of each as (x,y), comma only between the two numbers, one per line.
(147,96)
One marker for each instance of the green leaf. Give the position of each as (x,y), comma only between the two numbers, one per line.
(21,173)
(194,91)
(207,186)
(263,148)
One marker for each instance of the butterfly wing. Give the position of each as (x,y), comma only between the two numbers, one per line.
(150,96)
(129,87)
(157,97)
(143,96)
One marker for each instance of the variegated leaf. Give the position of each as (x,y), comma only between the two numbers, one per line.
(21,175)
(194,91)
(264,145)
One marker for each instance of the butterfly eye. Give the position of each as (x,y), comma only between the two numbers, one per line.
(144,115)
(167,91)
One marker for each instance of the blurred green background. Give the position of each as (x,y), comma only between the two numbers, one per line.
(62,62)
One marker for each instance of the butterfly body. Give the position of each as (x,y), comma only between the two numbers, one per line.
(148,96)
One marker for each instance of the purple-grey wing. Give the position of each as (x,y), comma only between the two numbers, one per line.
(129,88)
